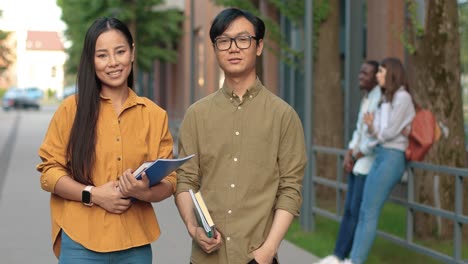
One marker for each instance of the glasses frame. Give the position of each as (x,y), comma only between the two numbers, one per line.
(235,41)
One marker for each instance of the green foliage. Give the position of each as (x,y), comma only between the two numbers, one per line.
(5,52)
(51,93)
(2,92)
(412,7)
(155,31)
(463,29)
(407,44)
(417,27)
(294,11)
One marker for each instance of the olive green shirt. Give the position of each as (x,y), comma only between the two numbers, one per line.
(249,161)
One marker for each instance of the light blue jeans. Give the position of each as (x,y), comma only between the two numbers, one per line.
(74,253)
(385,173)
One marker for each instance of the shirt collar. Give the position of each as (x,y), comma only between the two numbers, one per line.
(132,100)
(251,92)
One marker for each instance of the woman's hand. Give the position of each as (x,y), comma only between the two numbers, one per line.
(406,131)
(131,187)
(369,121)
(368,118)
(109,198)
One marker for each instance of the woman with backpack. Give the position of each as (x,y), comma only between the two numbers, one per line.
(394,115)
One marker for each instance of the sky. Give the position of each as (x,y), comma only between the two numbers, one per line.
(40,15)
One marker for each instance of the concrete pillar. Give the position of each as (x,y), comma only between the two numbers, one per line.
(385,26)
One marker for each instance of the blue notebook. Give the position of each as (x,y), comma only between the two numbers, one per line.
(158,169)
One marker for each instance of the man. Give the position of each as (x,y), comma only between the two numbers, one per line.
(357,163)
(249,154)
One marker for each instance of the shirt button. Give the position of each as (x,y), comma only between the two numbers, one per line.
(233,185)
(239,107)
(119,121)
(230,211)
(228,238)
(230,98)
(237,133)
(250,96)
(118,139)
(235,159)
(118,158)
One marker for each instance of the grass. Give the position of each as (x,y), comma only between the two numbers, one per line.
(321,242)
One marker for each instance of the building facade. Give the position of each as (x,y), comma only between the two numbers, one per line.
(196,73)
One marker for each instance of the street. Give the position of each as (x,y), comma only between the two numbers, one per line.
(24,206)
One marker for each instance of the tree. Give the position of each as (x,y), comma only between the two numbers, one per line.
(5,51)
(155,30)
(434,71)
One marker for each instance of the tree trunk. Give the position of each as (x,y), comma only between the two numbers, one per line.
(328,96)
(434,72)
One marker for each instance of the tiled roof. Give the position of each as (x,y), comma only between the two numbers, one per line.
(43,40)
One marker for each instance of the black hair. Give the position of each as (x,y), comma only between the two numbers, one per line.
(374,65)
(225,18)
(81,145)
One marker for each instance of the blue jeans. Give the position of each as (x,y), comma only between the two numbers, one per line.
(385,173)
(74,253)
(349,221)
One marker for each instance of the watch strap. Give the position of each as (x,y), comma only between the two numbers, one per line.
(86,195)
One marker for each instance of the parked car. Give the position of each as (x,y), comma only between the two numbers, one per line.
(22,98)
(34,93)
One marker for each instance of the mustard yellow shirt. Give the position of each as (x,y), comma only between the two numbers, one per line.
(140,133)
(249,161)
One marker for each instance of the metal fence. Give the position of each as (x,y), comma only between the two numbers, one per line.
(409,203)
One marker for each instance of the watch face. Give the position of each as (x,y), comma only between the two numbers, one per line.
(86,197)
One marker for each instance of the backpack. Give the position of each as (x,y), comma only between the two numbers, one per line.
(424,132)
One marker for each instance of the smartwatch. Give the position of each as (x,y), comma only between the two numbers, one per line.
(86,195)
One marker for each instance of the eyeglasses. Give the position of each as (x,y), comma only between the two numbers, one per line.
(242,42)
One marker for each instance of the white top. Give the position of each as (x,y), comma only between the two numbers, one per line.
(391,118)
(361,141)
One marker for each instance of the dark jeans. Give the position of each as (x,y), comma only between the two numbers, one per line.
(255,262)
(350,218)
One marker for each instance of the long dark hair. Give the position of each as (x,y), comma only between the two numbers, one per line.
(395,77)
(81,150)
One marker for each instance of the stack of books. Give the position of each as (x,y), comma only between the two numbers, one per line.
(202,214)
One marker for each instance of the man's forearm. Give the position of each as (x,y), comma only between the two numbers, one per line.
(281,222)
(185,207)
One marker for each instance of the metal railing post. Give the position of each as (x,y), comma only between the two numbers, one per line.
(307,220)
(457,225)
(410,211)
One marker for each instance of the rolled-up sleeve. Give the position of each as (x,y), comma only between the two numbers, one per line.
(166,147)
(188,174)
(292,161)
(53,150)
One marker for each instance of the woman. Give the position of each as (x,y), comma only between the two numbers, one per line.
(388,127)
(94,141)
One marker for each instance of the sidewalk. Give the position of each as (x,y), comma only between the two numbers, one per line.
(9,123)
